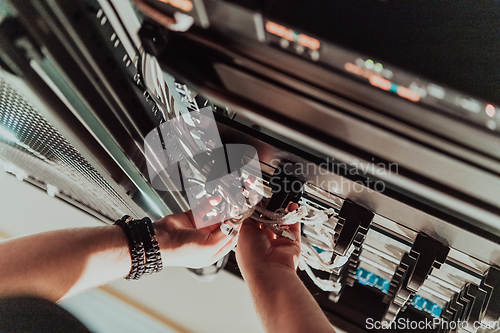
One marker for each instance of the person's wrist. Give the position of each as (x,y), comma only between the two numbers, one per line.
(273,271)
(162,237)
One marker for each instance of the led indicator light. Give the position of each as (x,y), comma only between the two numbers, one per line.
(280,31)
(408,94)
(284,43)
(471,105)
(378,67)
(309,42)
(387,73)
(491,124)
(293,36)
(435,91)
(314,55)
(369,64)
(490,110)
(354,69)
(380,82)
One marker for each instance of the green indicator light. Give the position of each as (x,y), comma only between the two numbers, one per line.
(378,67)
(369,64)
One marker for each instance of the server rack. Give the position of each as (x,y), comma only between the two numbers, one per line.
(346,127)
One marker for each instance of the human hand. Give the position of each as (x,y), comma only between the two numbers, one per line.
(268,265)
(260,250)
(182,244)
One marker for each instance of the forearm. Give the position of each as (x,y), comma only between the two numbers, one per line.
(283,302)
(61,263)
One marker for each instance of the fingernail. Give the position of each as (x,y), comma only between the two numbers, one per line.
(215,200)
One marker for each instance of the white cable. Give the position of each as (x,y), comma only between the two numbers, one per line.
(262,220)
(293,217)
(324,235)
(319,260)
(281,217)
(318,216)
(313,217)
(326,285)
(303,214)
(270,215)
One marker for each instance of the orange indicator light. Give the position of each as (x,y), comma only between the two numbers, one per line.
(289,34)
(380,82)
(309,42)
(280,31)
(490,110)
(184,5)
(355,69)
(408,94)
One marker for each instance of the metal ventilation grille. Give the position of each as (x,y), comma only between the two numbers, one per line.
(30,144)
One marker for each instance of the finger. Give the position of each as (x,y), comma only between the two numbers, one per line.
(190,215)
(211,227)
(226,248)
(295,230)
(292,206)
(218,238)
(215,223)
(218,219)
(251,232)
(215,200)
(270,234)
(251,227)
(198,222)
(283,240)
(205,206)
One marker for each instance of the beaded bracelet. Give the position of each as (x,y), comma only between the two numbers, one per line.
(152,250)
(143,246)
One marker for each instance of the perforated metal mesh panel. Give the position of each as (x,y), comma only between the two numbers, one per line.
(31,144)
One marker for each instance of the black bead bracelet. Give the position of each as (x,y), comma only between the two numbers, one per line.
(153,262)
(144,248)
